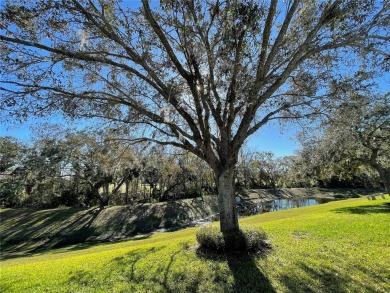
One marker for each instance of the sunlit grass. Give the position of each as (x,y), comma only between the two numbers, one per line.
(341,246)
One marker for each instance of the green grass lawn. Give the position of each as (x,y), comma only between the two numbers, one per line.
(341,246)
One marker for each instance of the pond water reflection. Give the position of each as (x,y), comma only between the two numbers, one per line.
(246,209)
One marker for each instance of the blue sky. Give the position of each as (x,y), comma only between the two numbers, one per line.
(279,140)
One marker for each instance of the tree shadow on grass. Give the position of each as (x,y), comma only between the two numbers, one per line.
(366,209)
(157,270)
(126,264)
(325,277)
(247,275)
(328,279)
(21,224)
(27,232)
(129,268)
(26,241)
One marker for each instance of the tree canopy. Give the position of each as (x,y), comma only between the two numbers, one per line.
(357,133)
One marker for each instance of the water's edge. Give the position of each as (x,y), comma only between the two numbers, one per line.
(247,208)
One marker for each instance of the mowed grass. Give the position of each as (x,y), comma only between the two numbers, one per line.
(341,246)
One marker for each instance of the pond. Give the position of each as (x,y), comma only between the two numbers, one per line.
(246,208)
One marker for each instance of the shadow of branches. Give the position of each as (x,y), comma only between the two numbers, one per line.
(366,209)
(167,269)
(323,279)
(248,276)
(29,233)
(136,273)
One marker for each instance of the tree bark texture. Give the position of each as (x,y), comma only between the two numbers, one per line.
(227,202)
(385,176)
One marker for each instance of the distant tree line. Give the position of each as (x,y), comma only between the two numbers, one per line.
(265,170)
(82,169)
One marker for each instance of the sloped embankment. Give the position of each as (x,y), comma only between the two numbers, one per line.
(30,229)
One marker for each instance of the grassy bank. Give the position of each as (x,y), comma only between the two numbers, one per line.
(29,230)
(341,246)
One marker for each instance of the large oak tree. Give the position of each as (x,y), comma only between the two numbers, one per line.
(201,75)
(357,133)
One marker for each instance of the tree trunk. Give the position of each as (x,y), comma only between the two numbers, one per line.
(227,202)
(127,182)
(104,199)
(385,176)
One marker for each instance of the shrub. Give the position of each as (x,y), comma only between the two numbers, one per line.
(11,193)
(191,192)
(248,239)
